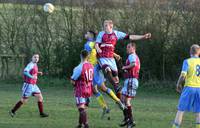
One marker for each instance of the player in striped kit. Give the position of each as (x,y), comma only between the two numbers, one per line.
(131,75)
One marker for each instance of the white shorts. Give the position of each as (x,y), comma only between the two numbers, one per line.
(81,100)
(108,62)
(29,90)
(130,87)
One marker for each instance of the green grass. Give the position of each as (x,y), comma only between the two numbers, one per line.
(151,110)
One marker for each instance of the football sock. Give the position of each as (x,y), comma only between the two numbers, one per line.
(112,95)
(125,112)
(101,100)
(83,116)
(40,107)
(17,106)
(129,113)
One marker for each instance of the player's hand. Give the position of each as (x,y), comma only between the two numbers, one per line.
(123,68)
(178,89)
(117,57)
(147,35)
(40,73)
(99,50)
(35,77)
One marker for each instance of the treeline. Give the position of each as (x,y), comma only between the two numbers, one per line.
(59,37)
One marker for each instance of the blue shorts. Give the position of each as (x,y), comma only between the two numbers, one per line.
(190,100)
(108,62)
(29,90)
(98,76)
(81,100)
(130,87)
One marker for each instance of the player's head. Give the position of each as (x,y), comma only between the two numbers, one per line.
(195,50)
(35,58)
(84,55)
(90,35)
(108,26)
(130,48)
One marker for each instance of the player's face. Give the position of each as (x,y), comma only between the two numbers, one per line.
(130,49)
(87,35)
(35,58)
(108,27)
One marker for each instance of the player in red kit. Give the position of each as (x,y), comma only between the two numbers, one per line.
(82,79)
(105,46)
(131,75)
(29,87)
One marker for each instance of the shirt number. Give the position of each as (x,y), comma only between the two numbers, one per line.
(198,70)
(89,74)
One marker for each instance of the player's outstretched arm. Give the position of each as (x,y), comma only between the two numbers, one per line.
(140,37)
(180,83)
(40,73)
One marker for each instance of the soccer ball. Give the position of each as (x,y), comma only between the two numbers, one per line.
(48,7)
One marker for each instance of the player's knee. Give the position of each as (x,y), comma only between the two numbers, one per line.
(106,69)
(116,79)
(24,100)
(104,88)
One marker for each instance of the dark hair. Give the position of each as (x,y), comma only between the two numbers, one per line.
(93,33)
(132,44)
(84,54)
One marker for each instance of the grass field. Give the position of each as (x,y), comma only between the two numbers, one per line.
(152,110)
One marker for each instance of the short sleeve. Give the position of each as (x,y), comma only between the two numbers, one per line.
(120,35)
(29,67)
(184,67)
(77,72)
(132,58)
(99,37)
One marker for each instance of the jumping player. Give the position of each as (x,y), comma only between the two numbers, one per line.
(30,88)
(190,95)
(82,79)
(131,75)
(99,79)
(105,46)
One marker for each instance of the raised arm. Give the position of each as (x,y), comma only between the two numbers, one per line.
(140,37)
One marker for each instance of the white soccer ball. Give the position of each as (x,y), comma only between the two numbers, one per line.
(48,7)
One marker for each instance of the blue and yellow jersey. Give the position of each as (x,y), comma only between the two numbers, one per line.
(89,46)
(191,69)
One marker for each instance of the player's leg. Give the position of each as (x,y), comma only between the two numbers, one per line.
(178,119)
(114,80)
(101,101)
(110,71)
(81,104)
(185,104)
(197,120)
(22,101)
(125,112)
(98,79)
(197,108)
(131,122)
(26,92)
(112,95)
(37,93)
